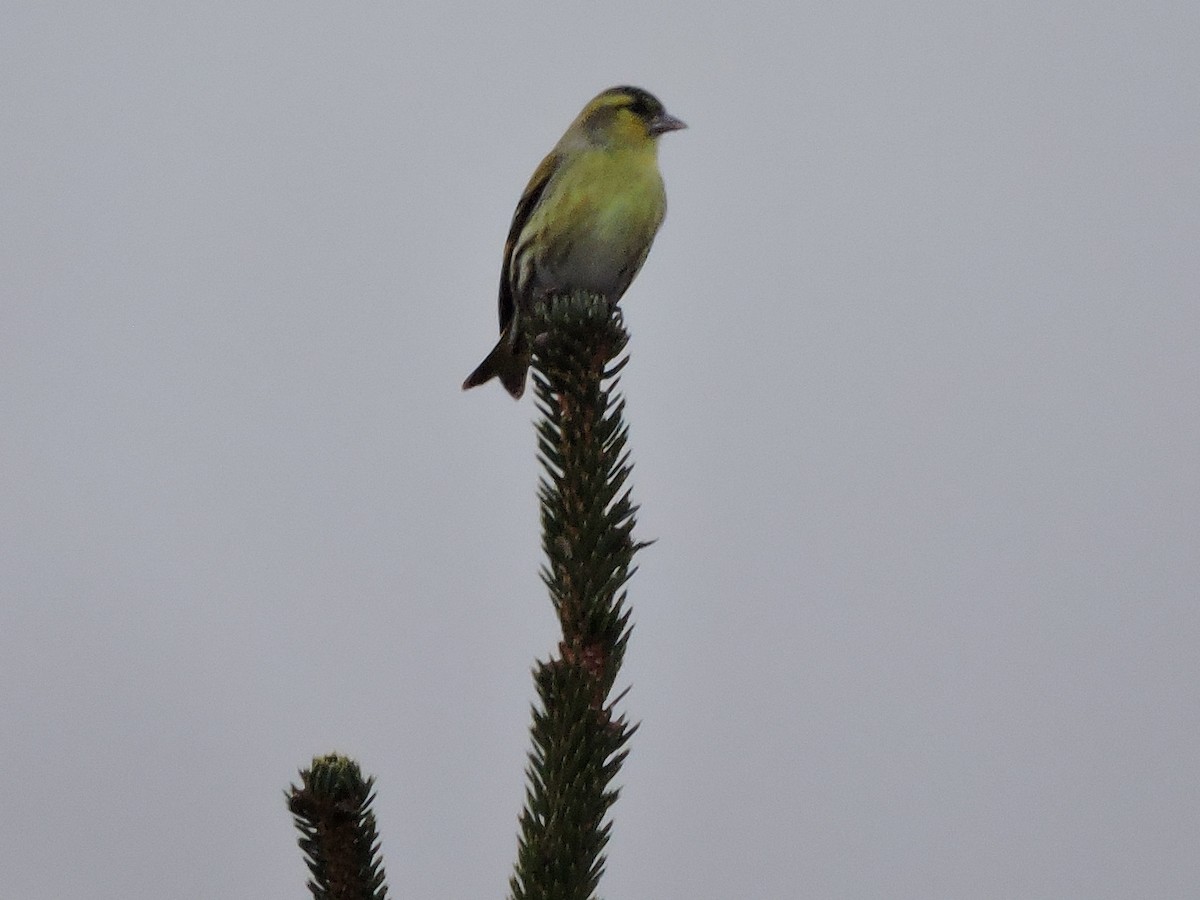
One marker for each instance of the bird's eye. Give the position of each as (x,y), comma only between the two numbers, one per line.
(639,106)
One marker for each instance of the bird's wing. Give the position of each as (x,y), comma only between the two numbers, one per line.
(525,207)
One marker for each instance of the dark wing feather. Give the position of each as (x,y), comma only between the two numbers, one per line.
(526,205)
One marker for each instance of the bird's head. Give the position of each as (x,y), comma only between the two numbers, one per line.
(624,117)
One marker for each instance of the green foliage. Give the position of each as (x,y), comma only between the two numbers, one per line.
(587,524)
(332,811)
(579,740)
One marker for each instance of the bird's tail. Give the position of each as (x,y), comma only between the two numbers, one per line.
(508,361)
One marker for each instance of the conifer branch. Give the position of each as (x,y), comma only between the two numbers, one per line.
(587,534)
(332,812)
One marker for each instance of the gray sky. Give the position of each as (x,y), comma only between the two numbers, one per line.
(913,403)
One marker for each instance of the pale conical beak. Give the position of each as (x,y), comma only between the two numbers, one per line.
(663,123)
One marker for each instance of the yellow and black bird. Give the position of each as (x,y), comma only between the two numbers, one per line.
(585,222)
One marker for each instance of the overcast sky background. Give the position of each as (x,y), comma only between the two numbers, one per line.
(913,397)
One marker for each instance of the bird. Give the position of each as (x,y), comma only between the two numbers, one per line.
(585,221)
